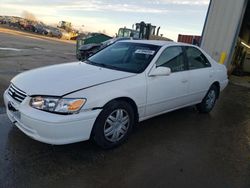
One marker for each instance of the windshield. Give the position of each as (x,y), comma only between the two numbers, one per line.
(125,56)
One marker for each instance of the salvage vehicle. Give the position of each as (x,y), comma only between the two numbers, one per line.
(14,23)
(29,27)
(40,29)
(85,51)
(2,20)
(52,32)
(105,96)
(90,43)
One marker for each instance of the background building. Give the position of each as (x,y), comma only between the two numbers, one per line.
(226,33)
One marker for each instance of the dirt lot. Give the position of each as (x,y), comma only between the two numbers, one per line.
(179,149)
(20,51)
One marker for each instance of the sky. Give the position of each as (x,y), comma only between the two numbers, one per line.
(174,16)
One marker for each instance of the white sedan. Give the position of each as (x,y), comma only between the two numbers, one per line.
(103,97)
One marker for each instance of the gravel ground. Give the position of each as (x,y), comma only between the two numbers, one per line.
(178,149)
(20,51)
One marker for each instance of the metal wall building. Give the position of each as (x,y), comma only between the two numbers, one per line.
(222,28)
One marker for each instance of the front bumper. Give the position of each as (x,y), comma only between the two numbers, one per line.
(48,127)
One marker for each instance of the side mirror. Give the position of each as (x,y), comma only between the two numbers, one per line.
(160,71)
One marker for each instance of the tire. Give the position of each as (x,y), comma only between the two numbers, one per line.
(209,100)
(113,124)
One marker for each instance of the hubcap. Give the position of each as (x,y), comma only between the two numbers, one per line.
(116,125)
(211,97)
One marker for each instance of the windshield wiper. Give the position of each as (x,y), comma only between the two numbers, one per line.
(94,63)
(102,65)
(89,62)
(99,64)
(106,66)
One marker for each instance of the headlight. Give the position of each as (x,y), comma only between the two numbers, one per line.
(57,105)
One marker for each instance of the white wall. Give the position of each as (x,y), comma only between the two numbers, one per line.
(223,21)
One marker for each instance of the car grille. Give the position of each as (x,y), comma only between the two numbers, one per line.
(16,93)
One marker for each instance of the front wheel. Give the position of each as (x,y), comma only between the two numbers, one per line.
(114,124)
(209,100)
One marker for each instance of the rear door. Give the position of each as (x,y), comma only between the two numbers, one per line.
(200,74)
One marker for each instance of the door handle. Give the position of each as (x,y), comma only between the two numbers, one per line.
(184,81)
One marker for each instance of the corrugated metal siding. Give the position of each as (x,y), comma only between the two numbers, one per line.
(221,27)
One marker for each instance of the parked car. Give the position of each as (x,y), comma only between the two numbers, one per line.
(85,51)
(103,97)
(39,28)
(2,20)
(54,32)
(47,30)
(15,24)
(29,27)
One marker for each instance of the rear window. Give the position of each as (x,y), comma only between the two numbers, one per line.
(196,59)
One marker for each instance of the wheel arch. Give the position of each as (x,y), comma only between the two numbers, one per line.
(125,99)
(129,101)
(217,85)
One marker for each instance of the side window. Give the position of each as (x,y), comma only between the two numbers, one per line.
(196,59)
(173,58)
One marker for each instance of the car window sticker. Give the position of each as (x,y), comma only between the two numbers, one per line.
(146,52)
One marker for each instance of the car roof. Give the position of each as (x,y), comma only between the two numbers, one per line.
(157,42)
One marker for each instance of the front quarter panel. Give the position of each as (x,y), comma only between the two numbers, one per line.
(133,87)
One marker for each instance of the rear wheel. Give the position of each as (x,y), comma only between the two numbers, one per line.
(209,100)
(114,124)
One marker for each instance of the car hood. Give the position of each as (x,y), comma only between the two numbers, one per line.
(58,80)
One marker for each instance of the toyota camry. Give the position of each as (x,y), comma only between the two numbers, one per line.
(105,96)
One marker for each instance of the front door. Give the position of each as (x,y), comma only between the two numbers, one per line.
(165,93)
